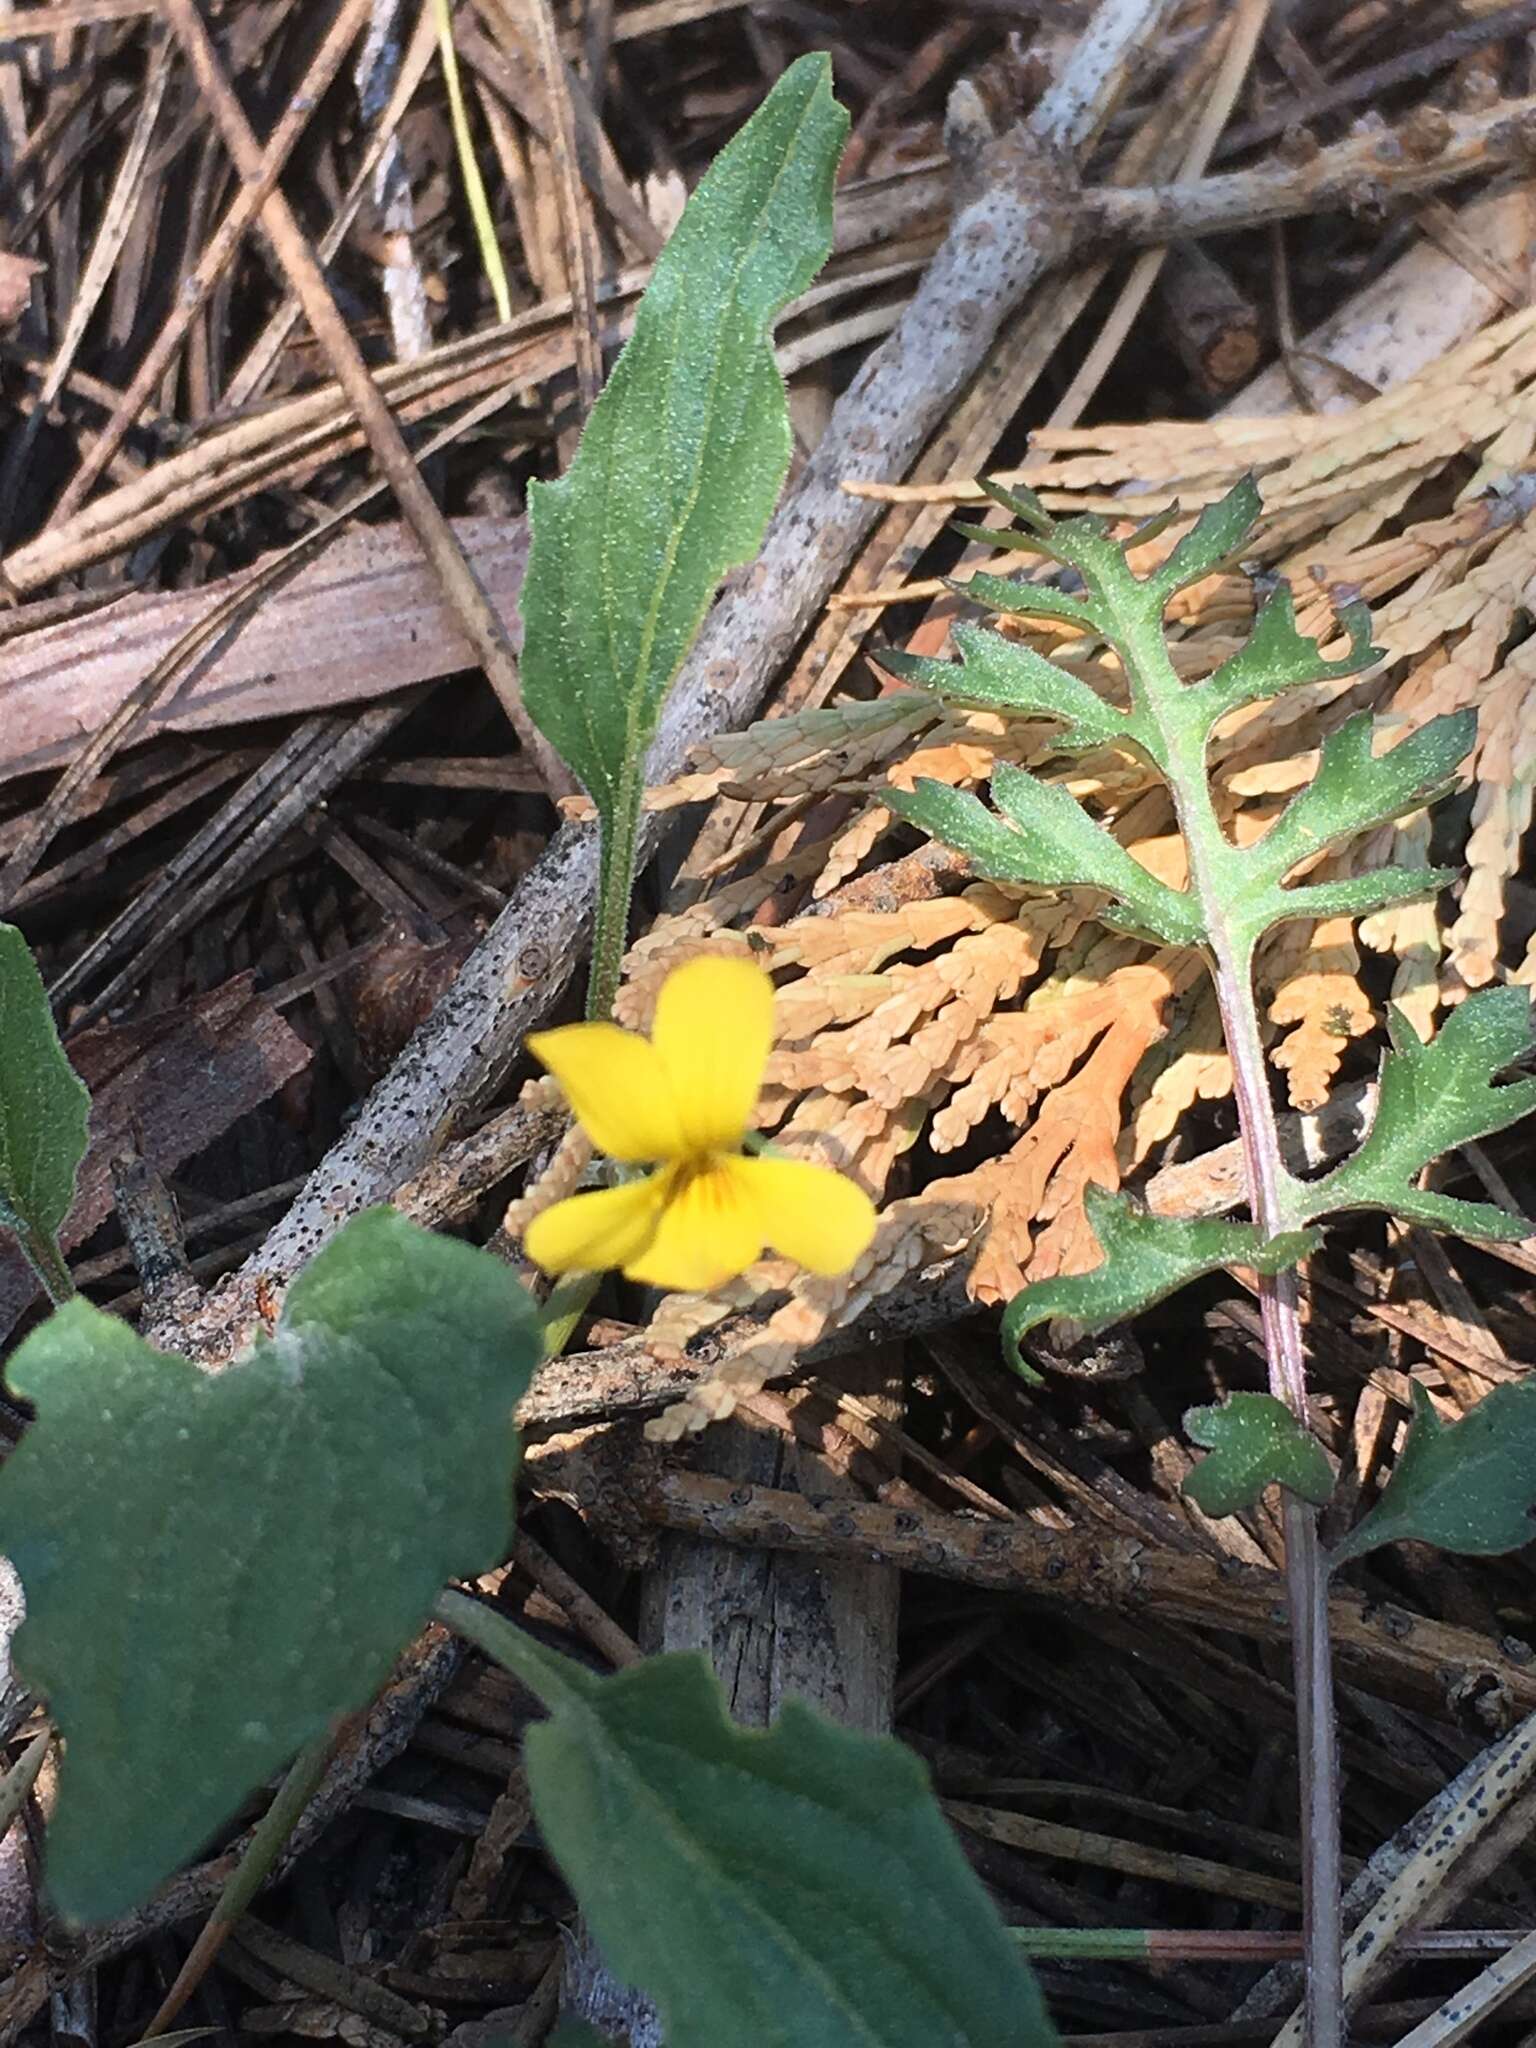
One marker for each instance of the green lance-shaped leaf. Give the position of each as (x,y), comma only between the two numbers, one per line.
(1355,789)
(685,451)
(1005,676)
(43,1104)
(794,1887)
(1435,1096)
(1356,895)
(1276,658)
(1254,1441)
(1003,539)
(1024,504)
(1467,1486)
(1025,600)
(1057,539)
(1214,539)
(216,1566)
(1049,839)
(1145,1259)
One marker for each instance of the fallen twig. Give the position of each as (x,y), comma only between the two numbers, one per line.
(999,244)
(1425,1663)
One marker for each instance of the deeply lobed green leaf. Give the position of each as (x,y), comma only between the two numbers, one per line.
(1355,895)
(216,1566)
(44,1107)
(1213,541)
(685,451)
(1355,789)
(1024,600)
(1276,658)
(1023,503)
(1003,675)
(792,1888)
(1254,1442)
(1049,839)
(1146,1258)
(1434,1096)
(1467,1486)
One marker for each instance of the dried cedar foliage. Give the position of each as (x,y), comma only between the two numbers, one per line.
(1001,1024)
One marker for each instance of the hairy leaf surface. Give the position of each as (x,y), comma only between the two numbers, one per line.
(1254,1441)
(1355,789)
(684,453)
(1213,540)
(1467,1486)
(1005,676)
(43,1102)
(1051,840)
(1145,1258)
(1435,1096)
(216,1566)
(1276,658)
(794,1887)
(1354,895)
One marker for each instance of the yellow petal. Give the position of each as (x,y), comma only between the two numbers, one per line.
(709,1231)
(713,1032)
(618,1088)
(588,1233)
(809,1213)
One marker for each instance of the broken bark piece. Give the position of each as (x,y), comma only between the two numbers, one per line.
(164,1087)
(1214,327)
(364,621)
(16,275)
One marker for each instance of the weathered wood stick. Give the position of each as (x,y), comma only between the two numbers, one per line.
(1000,243)
(1429,1664)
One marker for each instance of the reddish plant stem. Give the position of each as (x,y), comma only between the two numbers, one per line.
(1305,1569)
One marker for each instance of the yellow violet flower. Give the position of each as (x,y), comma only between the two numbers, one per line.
(681,1101)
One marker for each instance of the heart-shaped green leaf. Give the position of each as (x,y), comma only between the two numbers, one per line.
(1467,1486)
(43,1104)
(1254,1441)
(216,1566)
(794,1887)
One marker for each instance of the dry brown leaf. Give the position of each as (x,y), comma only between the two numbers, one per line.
(363,621)
(1191,1065)
(851,848)
(1410,932)
(560,1178)
(1501,813)
(807,753)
